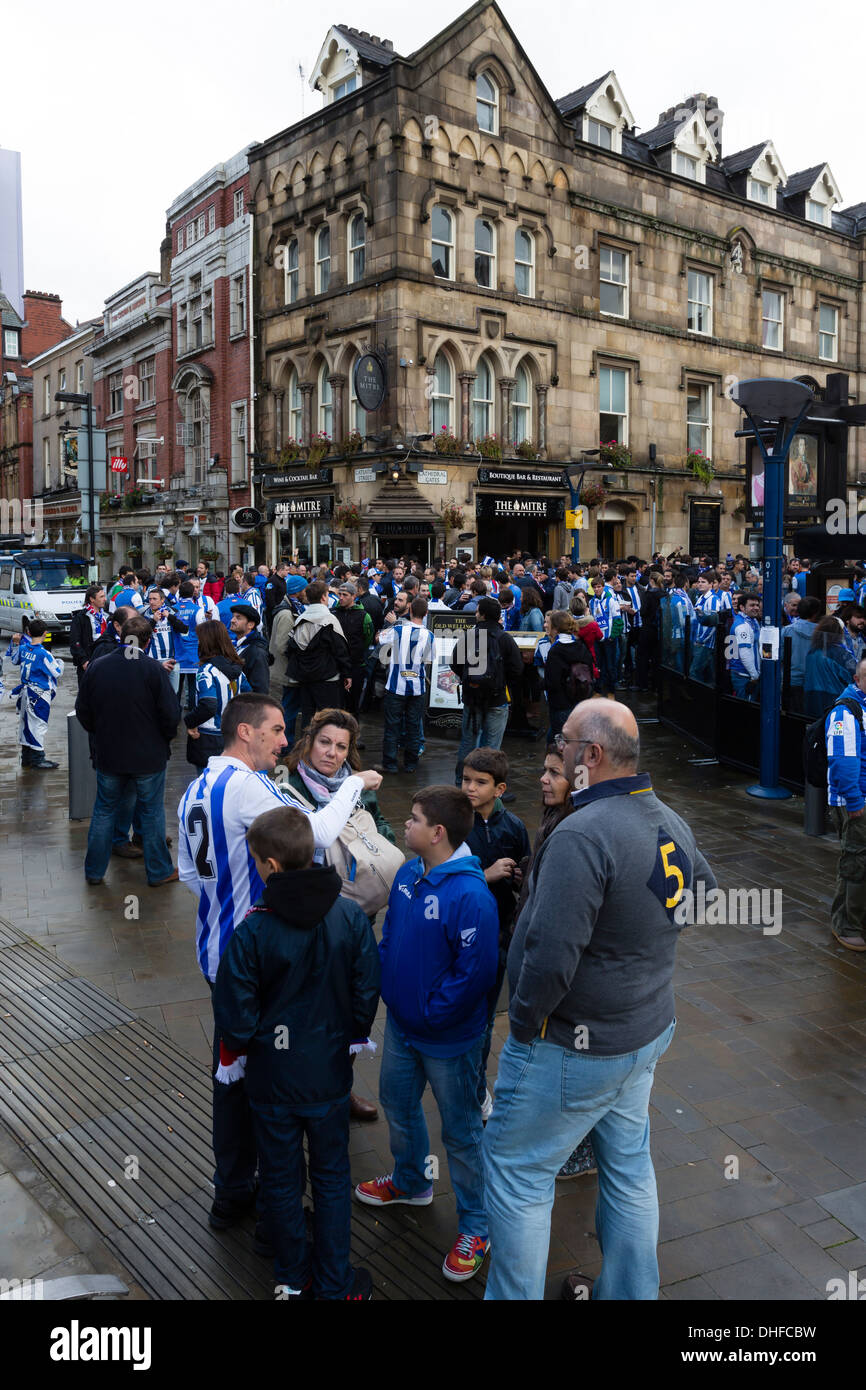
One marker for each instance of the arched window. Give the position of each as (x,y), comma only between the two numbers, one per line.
(357,247)
(521,406)
(442,224)
(485,253)
(291,271)
(296,413)
(357,413)
(524,262)
(487,103)
(323,259)
(482,400)
(442,400)
(326,403)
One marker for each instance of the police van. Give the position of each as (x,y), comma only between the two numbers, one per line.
(42,584)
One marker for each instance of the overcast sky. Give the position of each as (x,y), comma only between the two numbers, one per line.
(116,109)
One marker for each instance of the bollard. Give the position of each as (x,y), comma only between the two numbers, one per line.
(82,775)
(815,810)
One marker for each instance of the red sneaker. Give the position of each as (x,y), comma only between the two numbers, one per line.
(465,1258)
(381,1192)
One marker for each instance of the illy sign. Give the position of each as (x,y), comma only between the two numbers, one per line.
(119,464)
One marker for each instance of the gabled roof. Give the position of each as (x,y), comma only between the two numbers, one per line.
(575,100)
(744,159)
(9,316)
(368,46)
(662,135)
(803,181)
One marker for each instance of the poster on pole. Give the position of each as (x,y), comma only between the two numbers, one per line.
(445,707)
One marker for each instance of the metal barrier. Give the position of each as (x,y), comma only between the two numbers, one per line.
(82,774)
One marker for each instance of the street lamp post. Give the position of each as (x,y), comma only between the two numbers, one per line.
(85,399)
(772,404)
(574,475)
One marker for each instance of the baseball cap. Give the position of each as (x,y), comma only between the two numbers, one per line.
(347,588)
(846,596)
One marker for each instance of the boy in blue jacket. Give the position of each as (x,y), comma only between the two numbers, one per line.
(439,952)
(297,988)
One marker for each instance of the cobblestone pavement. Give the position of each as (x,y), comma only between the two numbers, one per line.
(766,1068)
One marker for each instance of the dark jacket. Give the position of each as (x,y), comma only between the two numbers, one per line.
(128,706)
(557,669)
(372,606)
(81,641)
(368,800)
(106,644)
(358,631)
(254,650)
(205,709)
(275,592)
(503,836)
(512,662)
(304,959)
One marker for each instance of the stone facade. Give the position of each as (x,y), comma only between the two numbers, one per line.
(406,142)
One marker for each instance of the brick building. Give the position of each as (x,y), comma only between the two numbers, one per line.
(537,278)
(65,367)
(22,340)
(172,384)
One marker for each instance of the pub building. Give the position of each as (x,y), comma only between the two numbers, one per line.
(463,286)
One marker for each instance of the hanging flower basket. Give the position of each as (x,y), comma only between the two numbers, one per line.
(614,455)
(207,554)
(347,516)
(526,449)
(104,554)
(489,447)
(290,452)
(702,467)
(592,494)
(320,445)
(352,443)
(452,515)
(446,443)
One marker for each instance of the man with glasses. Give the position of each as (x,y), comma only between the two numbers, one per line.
(592,1010)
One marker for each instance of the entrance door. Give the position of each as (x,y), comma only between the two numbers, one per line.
(611,540)
(395,547)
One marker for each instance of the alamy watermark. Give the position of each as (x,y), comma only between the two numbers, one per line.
(20,516)
(731,907)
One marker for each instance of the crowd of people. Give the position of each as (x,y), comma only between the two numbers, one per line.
(292,862)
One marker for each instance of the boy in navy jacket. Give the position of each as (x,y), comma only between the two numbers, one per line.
(297,988)
(439,951)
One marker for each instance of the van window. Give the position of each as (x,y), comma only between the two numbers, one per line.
(56,574)
(5,578)
(18,584)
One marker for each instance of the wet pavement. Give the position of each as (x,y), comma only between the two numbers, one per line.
(759,1106)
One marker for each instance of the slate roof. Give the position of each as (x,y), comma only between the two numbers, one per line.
(575,100)
(9,317)
(743,159)
(801,182)
(662,135)
(367,49)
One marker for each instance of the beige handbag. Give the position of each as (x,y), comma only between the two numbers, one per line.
(366,862)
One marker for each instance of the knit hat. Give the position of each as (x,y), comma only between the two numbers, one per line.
(295,583)
(847,596)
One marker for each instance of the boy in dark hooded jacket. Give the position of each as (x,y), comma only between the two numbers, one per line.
(297,987)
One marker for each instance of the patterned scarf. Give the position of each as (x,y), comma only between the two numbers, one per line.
(97,619)
(320,787)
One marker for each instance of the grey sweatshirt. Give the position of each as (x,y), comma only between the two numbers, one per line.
(595,943)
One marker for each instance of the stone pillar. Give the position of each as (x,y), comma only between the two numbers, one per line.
(466,379)
(337,387)
(278,419)
(506,430)
(306,389)
(541,407)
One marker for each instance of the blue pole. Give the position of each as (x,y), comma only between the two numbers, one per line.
(575,535)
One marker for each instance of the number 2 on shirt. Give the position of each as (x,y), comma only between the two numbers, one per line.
(196,821)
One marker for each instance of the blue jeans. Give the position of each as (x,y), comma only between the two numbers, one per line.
(291,710)
(403,728)
(487,1040)
(116,797)
(280,1131)
(547,1100)
(741,685)
(703,664)
(453,1080)
(482,728)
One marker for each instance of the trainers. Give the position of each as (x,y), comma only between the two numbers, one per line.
(851,940)
(362,1287)
(486,1107)
(465,1258)
(381,1192)
(46,765)
(127,851)
(226,1212)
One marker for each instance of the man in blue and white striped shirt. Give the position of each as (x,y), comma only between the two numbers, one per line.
(214,861)
(709,605)
(406,647)
(165,625)
(846,796)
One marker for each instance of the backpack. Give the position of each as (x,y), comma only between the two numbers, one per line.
(489,683)
(815,765)
(366,862)
(578,673)
(314,662)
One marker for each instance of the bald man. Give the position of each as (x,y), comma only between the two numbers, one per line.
(592,1009)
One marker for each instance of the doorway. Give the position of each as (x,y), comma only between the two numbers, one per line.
(395,547)
(610,540)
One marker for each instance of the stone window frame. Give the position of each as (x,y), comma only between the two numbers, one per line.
(694,379)
(446,206)
(452,397)
(353,248)
(487,72)
(492,221)
(840,306)
(531,232)
(696,267)
(611,244)
(784,293)
(319,260)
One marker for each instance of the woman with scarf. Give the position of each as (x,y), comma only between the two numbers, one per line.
(556,805)
(323,757)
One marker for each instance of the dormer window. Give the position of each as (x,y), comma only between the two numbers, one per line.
(597,133)
(487,103)
(686,166)
(760,192)
(342,89)
(10,342)
(817,212)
